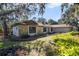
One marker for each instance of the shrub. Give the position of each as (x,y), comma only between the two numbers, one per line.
(1,30)
(74,33)
(68,46)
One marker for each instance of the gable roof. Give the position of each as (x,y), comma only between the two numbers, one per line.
(31,22)
(61,25)
(41,24)
(28,22)
(57,25)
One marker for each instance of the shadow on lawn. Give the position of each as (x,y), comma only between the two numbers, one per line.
(16,41)
(29,38)
(34,48)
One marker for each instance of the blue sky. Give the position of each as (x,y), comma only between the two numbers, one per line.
(53,11)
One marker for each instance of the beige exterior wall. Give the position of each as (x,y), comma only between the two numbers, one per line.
(23,29)
(63,29)
(39,30)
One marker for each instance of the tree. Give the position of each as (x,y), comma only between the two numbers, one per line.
(41,20)
(51,22)
(34,18)
(70,15)
(64,7)
(12,11)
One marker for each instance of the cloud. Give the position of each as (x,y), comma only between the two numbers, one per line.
(52,5)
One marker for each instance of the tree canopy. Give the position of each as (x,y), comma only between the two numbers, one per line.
(18,11)
(70,14)
(41,20)
(51,22)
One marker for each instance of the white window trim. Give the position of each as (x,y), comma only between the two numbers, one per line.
(32,34)
(46,30)
(50,30)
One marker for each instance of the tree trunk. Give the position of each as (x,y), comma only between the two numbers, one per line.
(5,29)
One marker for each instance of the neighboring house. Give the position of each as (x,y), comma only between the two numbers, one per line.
(31,28)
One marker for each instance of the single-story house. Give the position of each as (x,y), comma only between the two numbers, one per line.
(62,28)
(31,28)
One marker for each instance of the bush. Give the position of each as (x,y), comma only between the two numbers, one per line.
(65,45)
(68,46)
(24,36)
(74,33)
(1,30)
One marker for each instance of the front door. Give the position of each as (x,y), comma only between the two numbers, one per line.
(16,31)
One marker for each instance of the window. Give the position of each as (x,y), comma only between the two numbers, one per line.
(51,29)
(44,29)
(32,29)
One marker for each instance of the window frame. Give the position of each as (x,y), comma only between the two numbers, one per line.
(45,29)
(32,29)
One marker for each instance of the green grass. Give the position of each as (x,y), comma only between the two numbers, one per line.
(42,46)
(66,44)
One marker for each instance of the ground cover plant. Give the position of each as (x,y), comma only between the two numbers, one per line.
(68,43)
(64,44)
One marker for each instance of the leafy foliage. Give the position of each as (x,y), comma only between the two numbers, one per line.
(1,29)
(68,45)
(51,22)
(70,14)
(18,11)
(42,20)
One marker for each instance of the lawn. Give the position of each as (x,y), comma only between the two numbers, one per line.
(68,43)
(64,44)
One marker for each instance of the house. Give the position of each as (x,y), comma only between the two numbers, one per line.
(62,28)
(32,28)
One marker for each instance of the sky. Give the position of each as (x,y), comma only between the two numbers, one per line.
(53,11)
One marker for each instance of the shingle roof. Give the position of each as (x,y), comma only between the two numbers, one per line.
(57,25)
(61,25)
(31,22)
(28,22)
(41,24)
